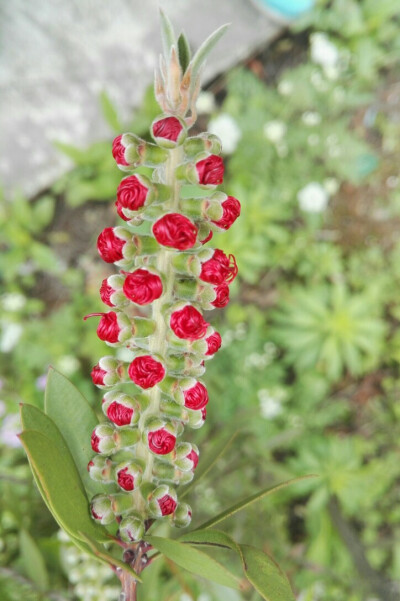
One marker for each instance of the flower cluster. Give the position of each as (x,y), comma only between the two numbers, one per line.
(167,277)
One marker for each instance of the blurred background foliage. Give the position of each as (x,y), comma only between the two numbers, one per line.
(309,370)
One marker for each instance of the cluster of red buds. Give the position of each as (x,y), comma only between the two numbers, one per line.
(167,278)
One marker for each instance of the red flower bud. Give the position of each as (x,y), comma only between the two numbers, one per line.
(142,287)
(125,480)
(175,230)
(213,343)
(119,414)
(219,268)
(145,371)
(222,298)
(105,293)
(167,128)
(204,413)
(210,171)
(194,457)
(118,151)
(196,397)
(98,375)
(231,211)
(188,323)
(167,505)
(161,441)
(108,328)
(110,246)
(131,193)
(95,442)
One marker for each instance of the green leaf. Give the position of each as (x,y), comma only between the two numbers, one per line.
(167,34)
(62,486)
(211,458)
(76,421)
(76,154)
(206,48)
(265,575)
(109,112)
(260,569)
(194,561)
(32,418)
(183,52)
(248,501)
(32,561)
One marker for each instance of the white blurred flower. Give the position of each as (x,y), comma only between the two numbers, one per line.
(285,87)
(313,198)
(275,130)
(225,127)
(11,333)
(11,426)
(325,53)
(205,103)
(68,364)
(311,118)
(270,405)
(13,301)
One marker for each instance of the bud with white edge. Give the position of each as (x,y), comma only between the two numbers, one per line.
(111,291)
(108,372)
(100,469)
(107,439)
(131,528)
(130,151)
(160,435)
(164,472)
(207,171)
(128,475)
(186,456)
(122,409)
(203,143)
(162,501)
(168,131)
(101,509)
(196,418)
(182,515)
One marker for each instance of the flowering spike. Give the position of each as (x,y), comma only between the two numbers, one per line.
(166,279)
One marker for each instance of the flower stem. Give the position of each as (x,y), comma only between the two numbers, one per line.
(158,342)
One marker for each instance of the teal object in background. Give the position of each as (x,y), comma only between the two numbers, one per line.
(288,8)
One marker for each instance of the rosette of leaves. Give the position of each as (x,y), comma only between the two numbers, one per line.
(114,497)
(330,329)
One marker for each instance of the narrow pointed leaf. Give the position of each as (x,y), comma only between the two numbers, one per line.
(206,464)
(33,418)
(76,420)
(32,561)
(167,34)
(62,486)
(102,555)
(265,575)
(194,561)
(249,501)
(183,52)
(210,538)
(206,48)
(260,569)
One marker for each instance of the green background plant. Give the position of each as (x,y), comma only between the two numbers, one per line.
(309,372)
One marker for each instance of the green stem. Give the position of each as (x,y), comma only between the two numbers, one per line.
(158,342)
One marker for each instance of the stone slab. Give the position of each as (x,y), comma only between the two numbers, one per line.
(56,56)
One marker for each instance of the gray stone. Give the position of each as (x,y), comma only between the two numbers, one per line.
(58,55)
